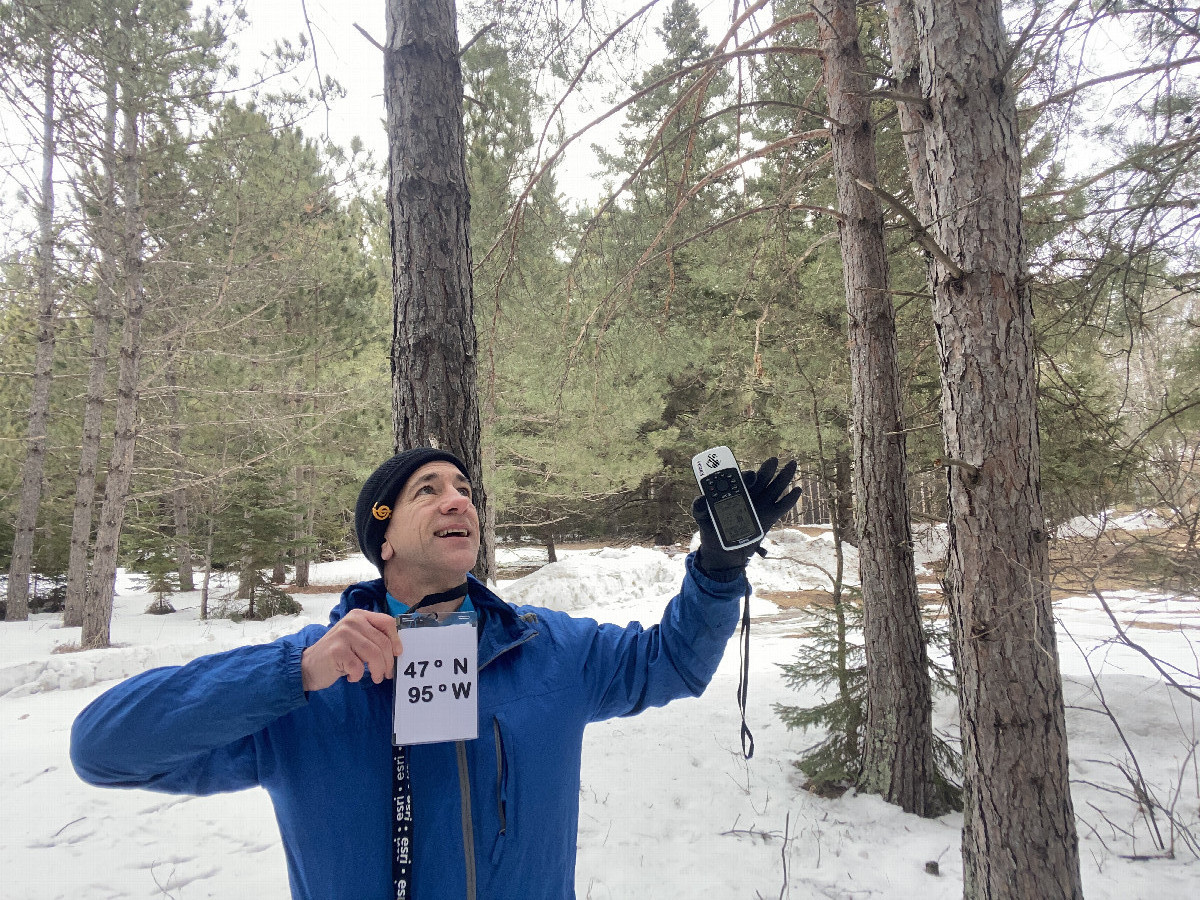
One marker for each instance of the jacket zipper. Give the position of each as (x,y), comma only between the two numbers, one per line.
(501,809)
(464,789)
(468,826)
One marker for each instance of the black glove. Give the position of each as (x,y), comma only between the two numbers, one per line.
(766,488)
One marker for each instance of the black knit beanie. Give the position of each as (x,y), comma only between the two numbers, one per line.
(379,493)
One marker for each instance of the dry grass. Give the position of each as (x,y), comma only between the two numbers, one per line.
(514,572)
(1121,560)
(798,599)
(1163,626)
(314,588)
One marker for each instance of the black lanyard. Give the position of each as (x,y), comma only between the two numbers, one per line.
(402,825)
(744,680)
(402,818)
(402,791)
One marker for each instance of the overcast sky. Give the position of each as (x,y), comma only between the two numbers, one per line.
(341,51)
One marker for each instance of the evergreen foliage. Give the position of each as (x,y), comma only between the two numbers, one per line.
(829,658)
(832,660)
(696,302)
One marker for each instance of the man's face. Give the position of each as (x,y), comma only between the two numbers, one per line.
(432,539)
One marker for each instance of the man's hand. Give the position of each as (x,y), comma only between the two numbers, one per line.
(771,498)
(361,640)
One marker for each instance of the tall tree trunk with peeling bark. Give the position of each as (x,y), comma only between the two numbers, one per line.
(179,498)
(39,402)
(898,737)
(906,74)
(97,613)
(434,390)
(107,281)
(1019,836)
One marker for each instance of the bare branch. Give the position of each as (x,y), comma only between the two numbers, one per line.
(1167,66)
(480,33)
(378,46)
(920,234)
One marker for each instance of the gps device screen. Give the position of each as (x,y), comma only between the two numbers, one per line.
(734,517)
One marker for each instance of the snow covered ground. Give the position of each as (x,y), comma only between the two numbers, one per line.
(669,807)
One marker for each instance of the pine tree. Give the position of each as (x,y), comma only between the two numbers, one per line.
(31,40)
(434,381)
(1019,828)
(157,47)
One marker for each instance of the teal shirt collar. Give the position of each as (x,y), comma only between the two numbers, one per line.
(396,608)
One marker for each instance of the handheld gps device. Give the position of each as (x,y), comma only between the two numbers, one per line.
(729,503)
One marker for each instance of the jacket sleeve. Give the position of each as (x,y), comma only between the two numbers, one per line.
(627,669)
(191,729)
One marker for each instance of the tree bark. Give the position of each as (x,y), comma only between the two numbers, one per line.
(1019,837)
(208,552)
(305,511)
(841,495)
(906,71)
(97,614)
(93,409)
(39,401)
(898,738)
(179,502)
(433,356)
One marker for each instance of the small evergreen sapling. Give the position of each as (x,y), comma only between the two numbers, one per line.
(832,656)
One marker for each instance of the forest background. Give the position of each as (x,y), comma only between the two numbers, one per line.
(201,319)
(699,301)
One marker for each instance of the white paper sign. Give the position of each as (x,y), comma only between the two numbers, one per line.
(436,696)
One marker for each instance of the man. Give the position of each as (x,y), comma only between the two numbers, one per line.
(308,717)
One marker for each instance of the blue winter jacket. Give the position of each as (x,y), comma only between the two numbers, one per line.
(494,818)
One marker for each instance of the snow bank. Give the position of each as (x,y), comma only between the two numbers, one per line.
(668,806)
(85,668)
(598,579)
(795,561)
(1095,525)
(350,570)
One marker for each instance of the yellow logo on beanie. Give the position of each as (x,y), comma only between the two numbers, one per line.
(381,512)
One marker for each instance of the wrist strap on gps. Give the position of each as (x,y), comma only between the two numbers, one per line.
(744,677)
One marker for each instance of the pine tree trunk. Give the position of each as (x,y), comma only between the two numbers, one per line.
(204,585)
(489,538)
(246,578)
(1019,837)
(302,477)
(302,577)
(39,401)
(898,738)
(434,391)
(183,534)
(97,613)
(93,408)
(906,70)
(665,508)
(842,496)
